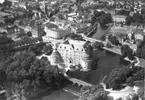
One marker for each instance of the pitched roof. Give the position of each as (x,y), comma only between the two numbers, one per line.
(120,30)
(74,44)
(51,25)
(4,14)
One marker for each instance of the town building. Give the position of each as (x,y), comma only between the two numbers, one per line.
(55,31)
(119,18)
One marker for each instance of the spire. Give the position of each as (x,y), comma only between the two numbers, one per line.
(55,57)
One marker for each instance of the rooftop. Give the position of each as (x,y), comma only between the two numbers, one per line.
(120,30)
(76,45)
(51,25)
(141,62)
(4,14)
(119,16)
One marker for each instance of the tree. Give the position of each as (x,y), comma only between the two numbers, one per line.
(47,49)
(29,33)
(41,31)
(140,49)
(78,4)
(37,48)
(98,14)
(127,52)
(137,17)
(2,74)
(93,93)
(135,97)
(7,3)
(143,11)
(139,75)
(114,40)
(5,40)
(123,12)
(143,18)
(117,77)
(105,19)
(102,95)
(44,61)
(130,81)
(129,20)
(24,75)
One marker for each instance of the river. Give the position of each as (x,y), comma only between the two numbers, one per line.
(67,93)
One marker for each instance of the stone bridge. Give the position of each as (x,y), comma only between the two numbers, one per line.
(79,83)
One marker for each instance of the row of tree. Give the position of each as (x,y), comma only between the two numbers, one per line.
(141,49)
(116,80)
(93,93)
(124,75)
(101,17)
(136,18)
(122,12)
(127,52)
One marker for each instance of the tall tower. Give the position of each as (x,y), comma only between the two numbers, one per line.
(55,56)
(86,62)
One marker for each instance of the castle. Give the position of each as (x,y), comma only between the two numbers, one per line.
(73,52)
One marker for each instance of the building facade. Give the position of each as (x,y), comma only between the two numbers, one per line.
(75,52)
(119,18)
(54,31)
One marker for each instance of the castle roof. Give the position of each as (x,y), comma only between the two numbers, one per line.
(55,57)
(76,45)
(51,25)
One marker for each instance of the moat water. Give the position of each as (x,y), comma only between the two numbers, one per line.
(60,94)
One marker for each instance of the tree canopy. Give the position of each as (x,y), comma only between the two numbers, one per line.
(5,40)
(137,18)
(93,93)
(141,49)
(127,52)
(101,17)
(124,75)
(23,74)
(114,40)
(129,20)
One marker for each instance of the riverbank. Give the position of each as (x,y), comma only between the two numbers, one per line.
(60,94)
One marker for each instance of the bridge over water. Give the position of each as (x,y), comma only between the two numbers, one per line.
(114,49)
(79,82)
